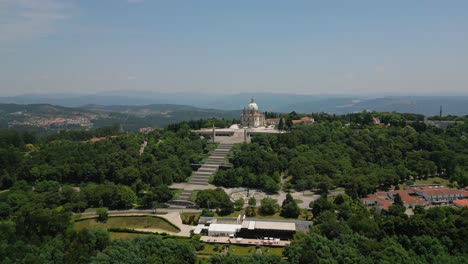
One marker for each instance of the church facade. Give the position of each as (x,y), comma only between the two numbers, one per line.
(251,117)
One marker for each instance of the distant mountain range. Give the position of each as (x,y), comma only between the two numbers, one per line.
(129,100)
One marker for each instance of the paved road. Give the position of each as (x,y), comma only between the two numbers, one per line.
(143,146)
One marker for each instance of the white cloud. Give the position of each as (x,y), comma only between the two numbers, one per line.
(28,19)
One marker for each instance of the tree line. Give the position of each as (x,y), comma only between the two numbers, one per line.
(361,157)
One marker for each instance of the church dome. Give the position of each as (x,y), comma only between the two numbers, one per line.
(253,106)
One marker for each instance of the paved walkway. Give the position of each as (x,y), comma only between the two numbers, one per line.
(306,197)
(143,146)
(174,218)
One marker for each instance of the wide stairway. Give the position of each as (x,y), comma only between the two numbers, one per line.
(211,165)
(203,174)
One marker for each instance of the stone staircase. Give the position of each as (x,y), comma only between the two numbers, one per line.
(203,174)
(211,165)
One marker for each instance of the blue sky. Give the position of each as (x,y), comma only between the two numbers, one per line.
(304,47)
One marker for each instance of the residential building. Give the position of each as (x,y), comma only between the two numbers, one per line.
(439,194)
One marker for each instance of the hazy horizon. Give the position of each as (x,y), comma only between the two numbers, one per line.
(344,48)
(139,93)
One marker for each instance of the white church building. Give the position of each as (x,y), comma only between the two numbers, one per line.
(251,117)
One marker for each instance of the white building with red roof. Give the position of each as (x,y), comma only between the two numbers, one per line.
(251,117)
(439,194)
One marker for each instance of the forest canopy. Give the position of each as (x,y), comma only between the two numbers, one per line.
(350,151)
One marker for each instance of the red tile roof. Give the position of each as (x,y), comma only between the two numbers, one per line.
(381,202)
(376,120)
(461,203)
(100,138)
(410,197)
(438,190)
(307,119)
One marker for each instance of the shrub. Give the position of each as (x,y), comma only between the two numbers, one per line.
(103,215)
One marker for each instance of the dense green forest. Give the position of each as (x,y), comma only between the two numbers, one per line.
(39,230)
(349,151)
(43,180)
(202,123)
(103,170)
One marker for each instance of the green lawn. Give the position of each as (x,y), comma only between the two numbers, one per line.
(298,201)
(275,216)
(120,235)
(339,189)
(131,222)
(305,215)
(93,209)
(241,250)
(439,180)
(433,180)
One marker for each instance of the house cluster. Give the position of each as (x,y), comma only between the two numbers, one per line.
(146,130)
(55,121)
(97,139)
(422,194)
(305,120)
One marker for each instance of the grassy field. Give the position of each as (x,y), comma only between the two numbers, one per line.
(439,180)
(240,250)
(433,180)
(298,201)
(131,222)
(92,209)
(120,235)
(305,215)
